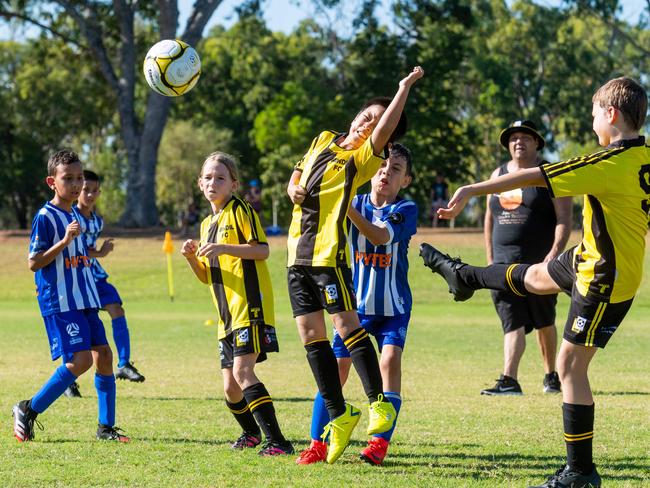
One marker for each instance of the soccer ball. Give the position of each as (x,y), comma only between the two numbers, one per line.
(172,67)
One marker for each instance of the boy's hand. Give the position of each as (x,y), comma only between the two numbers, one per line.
(412,77)
(71,231)
(210,250)
(456,204)
(107,247)
(297,194)
(189,248)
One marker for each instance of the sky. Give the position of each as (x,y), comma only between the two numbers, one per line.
(284,15)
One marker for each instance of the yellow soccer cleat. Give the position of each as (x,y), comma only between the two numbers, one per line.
(340,429)
(382,416)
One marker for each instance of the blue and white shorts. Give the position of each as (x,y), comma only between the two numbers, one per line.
(74,331)
(385,330)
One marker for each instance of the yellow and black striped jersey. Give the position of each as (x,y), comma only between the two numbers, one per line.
(241,288)
(331,176)
(615,183)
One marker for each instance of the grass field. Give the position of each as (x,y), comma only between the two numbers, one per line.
(448,435)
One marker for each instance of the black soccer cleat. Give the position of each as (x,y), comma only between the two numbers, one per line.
(24,419)
(129,372)
(447,267)
(245,441)
(505,386)
(566,478)
(272,448)
(106,433)
(552,383)
(72,391)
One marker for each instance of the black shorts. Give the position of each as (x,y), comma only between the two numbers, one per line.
(530,312)
(592,319)
(313,288)
(258,339)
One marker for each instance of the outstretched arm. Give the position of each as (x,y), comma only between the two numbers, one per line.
(510,181)
(391,116)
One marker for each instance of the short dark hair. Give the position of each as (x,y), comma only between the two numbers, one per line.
(91,176)
(402,125)
(626,95)
(63,157)
(401,151)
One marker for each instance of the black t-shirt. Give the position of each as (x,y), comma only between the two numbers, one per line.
(523,224)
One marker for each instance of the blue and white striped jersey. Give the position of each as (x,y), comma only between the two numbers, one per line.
(91,227)
(67,282)
(380,273)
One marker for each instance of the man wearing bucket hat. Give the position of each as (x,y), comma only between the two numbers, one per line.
(526,226)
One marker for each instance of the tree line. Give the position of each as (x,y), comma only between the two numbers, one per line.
(264,95)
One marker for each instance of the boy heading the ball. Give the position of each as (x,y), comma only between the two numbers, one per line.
(68,300)
(602,273)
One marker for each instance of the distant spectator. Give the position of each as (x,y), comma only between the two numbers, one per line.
(189,219)
(439,197)
(254,196)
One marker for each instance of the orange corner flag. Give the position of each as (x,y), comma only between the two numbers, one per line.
(168,248)
(168,245)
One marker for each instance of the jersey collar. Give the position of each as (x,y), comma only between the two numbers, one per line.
(639,141)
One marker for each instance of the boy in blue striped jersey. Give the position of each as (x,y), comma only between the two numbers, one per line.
(68,300)
(92,226)
(379,239)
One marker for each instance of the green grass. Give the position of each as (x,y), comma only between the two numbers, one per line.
(448,435)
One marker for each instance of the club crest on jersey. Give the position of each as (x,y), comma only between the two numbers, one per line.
(579,324)
(242,337)
(396,218)
(331,293)
(72,329)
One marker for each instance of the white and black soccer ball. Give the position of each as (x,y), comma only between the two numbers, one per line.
(172,67)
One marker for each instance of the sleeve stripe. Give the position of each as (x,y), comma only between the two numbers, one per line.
(558,169)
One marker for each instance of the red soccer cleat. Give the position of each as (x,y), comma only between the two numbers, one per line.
(315,453)
(376,451)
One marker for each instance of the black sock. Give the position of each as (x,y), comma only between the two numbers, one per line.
(364,358)
(579,435)
(326,372)
(507,277)
(244,417)
(261,406)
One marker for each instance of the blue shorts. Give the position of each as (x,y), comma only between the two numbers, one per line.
(385,330)
(107,293)
(74,331)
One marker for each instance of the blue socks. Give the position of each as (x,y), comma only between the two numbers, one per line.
(122,340)
(394,398)
(53,389)
(319,418)
(105,386)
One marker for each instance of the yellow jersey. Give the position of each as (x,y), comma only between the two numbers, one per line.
(241,288)
(615,183)
(331,176)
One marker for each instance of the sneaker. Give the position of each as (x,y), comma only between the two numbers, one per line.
(447,267)
(273,448)
(376,451)
(106,433)
(24,419)
(246,440)
(340,429)
(128,372)
(505,386)
(566,478)
(315,453)
(552,383)
(72,391)
(382,416)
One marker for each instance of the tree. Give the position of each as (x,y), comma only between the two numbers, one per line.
(108,35)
